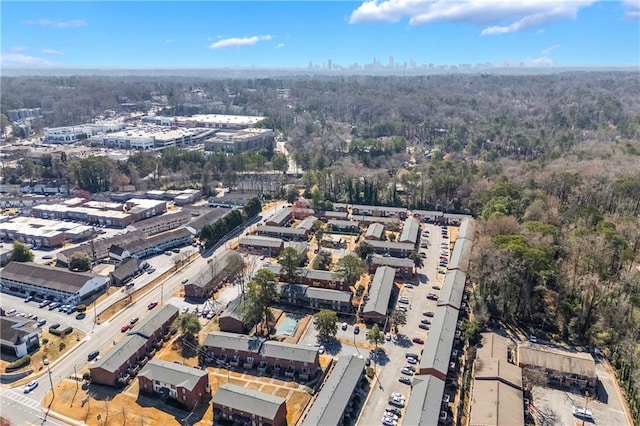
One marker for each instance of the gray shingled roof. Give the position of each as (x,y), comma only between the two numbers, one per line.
(467,228)
(461,255)
(258,241)
(378,208)
(103,245)
(173,374)
(47,277)
(394,262)
(289,351)
(430,213)
(159,239)
(336,392)
(307,223)
(391,245)
(280,216)
(374,219)
(14,329)
(248,400)
(437,347)
(342,223)
(234,309)
(375,230)
(453,289)
(217,266)
(120,353)
(380,290)
(151,323)
(410,230)
(425,401)
(240,342)
(283,230)
(126,268)
(329,294)
(180,217)
(207,218)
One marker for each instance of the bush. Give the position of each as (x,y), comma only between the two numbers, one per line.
(81,308)
(63,332)
(19,363)
(86,376)
(45,341)
(370,372)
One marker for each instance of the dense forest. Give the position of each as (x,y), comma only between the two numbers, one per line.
(550,166)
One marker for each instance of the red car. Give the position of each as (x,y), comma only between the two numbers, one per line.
(125,327)
(152,305)
(418,341)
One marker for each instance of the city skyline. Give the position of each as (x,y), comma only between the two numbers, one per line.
(391,35)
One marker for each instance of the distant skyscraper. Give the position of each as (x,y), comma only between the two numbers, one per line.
(310,65)
(329,65)
(391,65)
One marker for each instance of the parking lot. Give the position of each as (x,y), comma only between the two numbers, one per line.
(551,406)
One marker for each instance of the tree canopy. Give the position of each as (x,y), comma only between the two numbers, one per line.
(326,323)
(21,253)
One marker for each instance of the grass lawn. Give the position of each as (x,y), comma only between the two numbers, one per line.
(295,406)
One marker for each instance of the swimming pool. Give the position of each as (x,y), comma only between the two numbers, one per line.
(288,326)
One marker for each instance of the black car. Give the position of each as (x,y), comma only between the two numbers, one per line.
(425,321)
(394,411)
(81,315)
(405,380)
(411,355)
(54,326)
(424,326)
(93,355)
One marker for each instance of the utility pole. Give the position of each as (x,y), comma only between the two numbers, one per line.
(51,382)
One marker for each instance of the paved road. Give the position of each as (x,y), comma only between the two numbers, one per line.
(23,409)
(388,369)
(293,168)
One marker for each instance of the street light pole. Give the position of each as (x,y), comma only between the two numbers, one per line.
(53,393)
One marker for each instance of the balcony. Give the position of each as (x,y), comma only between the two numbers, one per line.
(235,361)
(290,373)
(262,367)
(304,374)
(247,365)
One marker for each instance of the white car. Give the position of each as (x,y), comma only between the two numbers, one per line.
(388,421)
(412,360)
(30,386)
(12,311)
(321,350)
(397,395)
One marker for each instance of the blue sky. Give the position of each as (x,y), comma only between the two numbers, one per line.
(204,34)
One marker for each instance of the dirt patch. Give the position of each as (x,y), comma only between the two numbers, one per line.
(172,351)
(268,389)
(282,393)
(296,404)
(252,385)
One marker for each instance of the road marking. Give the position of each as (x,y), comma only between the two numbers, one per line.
(21,399)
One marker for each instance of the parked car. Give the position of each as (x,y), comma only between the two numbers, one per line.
(401,308)
(344,326)
(388,421)
(406,371)
(11,312)
(432,296)
(41,322)
(134,320)
(28,299)
(152,305)
(411,355)
(428,314)
(81,315)
(423,245)
(387,336)
(397,402)
(44,303)
(30,386)
(435,287)
(151,270)
(186,280)
(412,360)
(125,327)
(93,355)
(418,341)
(393,410)
(54,326)
(397,395)
(356,329)
(423,326)
(425,321)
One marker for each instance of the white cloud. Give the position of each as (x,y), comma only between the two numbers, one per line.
(58,24)
(498,16)
(169,40)
(279,45)
(17,49)
(631,9)
(239,41)
(550,49)
(540,31)
(22,60)
(544,60)
(51,52)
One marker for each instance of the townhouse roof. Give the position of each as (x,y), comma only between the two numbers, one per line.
(394,262)
(461,255)
(307,223)
(375,230)
(181,217)
(14,329)
(232,341)
(425,401)
(380,290)
(492,345)
(498,369)
(378,208)
(392,245)
(318,275)
(410,230)
(259,241)
(453,289)
(336,392)
(248,400)
(123,351)
(103,245)
(300,247)
(281,216)
(126,268)
(138,246)
(556,359)
(289,351)
(218,266)
(47,277)
(332,214)
(374,219)
(329,294)
(494,403)
(208,218)
(148,325)
(174,374)
(268,229)
(439,342)
(467,228)
(234,309)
